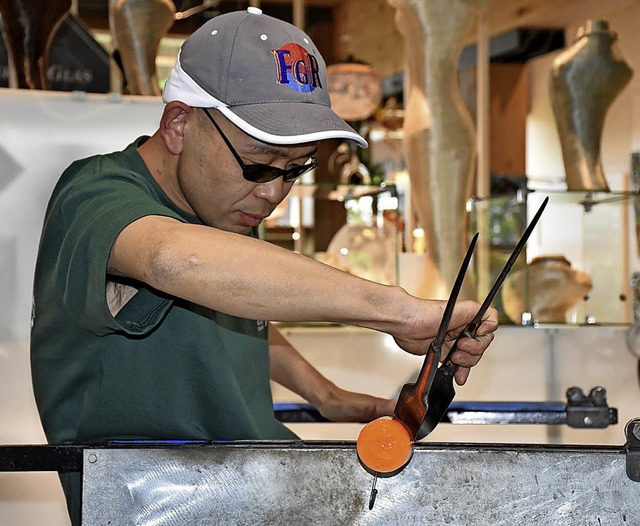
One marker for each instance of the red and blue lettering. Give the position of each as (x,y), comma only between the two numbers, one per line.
(297,68)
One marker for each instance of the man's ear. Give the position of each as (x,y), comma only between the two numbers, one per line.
(174,118)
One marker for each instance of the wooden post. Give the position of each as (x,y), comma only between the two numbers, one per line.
(483,175)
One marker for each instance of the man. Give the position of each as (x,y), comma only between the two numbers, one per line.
(151,287)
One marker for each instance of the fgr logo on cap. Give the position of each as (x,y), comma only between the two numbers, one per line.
(297,68)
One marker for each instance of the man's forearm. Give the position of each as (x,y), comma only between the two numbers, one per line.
(291,370)
(245,277)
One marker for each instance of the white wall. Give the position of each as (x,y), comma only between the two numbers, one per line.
(40,134)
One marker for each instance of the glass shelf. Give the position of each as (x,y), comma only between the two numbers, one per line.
(589,199)
(340,192)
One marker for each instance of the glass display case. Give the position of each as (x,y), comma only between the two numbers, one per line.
(576,266)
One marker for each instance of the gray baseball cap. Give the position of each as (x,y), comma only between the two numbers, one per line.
(264,75)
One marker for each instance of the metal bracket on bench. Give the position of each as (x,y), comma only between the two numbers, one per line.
(632,449)
(588,411)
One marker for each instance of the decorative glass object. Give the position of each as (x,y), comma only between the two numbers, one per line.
(366,245)
(355,90)
(585,80)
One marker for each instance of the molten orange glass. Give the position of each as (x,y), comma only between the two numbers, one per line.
(384,445)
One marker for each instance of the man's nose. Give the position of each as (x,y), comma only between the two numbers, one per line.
(273,191)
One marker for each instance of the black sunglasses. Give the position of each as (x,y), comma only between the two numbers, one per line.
(263,173)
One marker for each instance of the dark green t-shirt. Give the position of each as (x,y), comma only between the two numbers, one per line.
(162,368)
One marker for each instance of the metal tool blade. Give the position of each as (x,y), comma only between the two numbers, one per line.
(442,390)
(411,405)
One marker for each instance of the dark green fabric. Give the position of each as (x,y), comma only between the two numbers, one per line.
(162,368)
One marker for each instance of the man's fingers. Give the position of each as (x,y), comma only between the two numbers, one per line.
(461,375)
(475,346)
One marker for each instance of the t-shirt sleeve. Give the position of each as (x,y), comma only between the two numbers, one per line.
(90,217)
